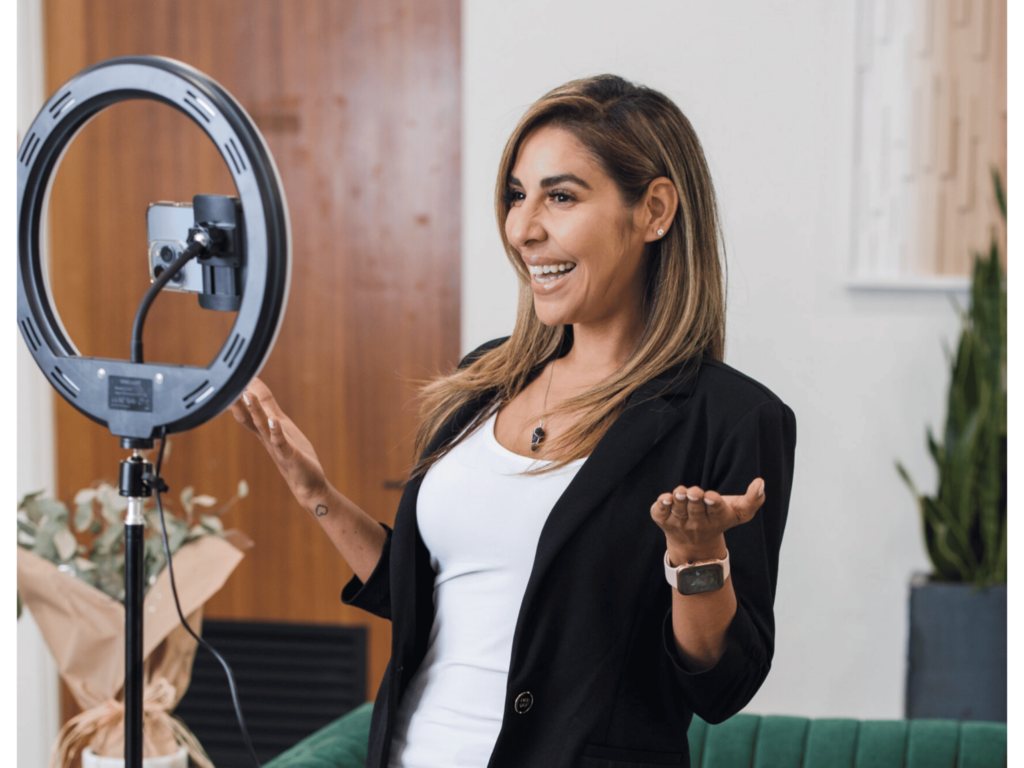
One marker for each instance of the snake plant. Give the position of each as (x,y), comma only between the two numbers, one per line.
(965,521)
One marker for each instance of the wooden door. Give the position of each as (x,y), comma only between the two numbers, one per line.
(359,103)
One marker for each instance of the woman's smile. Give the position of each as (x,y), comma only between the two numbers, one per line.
(547,278)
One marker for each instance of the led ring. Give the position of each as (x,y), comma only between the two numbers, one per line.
(136,400)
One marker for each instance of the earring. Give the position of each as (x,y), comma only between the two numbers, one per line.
(661,232)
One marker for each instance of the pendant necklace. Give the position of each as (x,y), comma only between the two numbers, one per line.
(538,433)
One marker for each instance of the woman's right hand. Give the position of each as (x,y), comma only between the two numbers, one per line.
(258,411)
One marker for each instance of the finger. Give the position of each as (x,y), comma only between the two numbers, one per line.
(746,506)
(266,398)
(695,503)
(241,413)
(258,414)
(680,503)
(661,510)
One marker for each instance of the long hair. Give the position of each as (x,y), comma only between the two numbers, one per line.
(636,134)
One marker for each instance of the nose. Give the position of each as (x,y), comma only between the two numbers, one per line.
(523,226)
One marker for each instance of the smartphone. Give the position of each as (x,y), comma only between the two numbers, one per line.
(167,226)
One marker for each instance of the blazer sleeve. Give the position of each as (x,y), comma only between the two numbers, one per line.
(374,595)
(762,444)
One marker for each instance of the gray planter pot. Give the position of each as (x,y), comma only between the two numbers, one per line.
(956,665)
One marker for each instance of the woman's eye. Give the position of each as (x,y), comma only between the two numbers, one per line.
(561,197)
(512,197)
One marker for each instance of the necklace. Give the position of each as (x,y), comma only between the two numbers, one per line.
(538,433)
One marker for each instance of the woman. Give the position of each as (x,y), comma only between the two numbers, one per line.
(567,472)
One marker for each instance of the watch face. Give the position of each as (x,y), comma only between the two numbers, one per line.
(701,578)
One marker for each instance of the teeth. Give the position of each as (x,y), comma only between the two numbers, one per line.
(549,279)
(551,268)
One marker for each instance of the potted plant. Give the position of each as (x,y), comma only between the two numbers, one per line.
(957,642)
(71,577)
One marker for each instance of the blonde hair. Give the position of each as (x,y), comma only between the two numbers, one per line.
(637,135)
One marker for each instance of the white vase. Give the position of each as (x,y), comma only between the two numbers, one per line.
(178,760)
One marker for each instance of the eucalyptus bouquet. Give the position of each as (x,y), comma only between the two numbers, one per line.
(71,577)
(45,528)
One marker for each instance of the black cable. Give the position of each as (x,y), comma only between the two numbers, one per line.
(158,485)
(193,250)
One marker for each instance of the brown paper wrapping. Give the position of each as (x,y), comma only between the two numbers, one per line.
(84,629)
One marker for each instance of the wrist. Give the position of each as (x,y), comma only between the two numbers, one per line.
(681,553)
(313,496)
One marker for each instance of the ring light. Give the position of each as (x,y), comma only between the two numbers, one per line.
(136,401)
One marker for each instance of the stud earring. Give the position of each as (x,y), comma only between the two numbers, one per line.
(661,232)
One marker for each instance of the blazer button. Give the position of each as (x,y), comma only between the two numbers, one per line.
(523,702)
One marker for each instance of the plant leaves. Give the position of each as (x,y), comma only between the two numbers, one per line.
(204,501)
(243,489)
(53,509)
(186,499)
(85,496)
(212,523)
(65,543)
(83,516)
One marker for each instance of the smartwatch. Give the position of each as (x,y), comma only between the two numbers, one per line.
(698,577)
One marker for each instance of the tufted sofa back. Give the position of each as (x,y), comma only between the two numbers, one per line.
(772,741)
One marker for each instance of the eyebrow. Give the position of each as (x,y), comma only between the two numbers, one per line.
(550,181)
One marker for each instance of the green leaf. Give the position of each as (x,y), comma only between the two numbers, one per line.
(212,523)
(85,496)
(1000,193)
(906,478)
(53,509)
(83,516)
(110,540)
(186,500)
(66,544)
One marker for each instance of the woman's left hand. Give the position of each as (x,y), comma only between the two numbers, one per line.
(695,521)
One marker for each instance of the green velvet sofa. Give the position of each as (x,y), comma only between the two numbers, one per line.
(747,741)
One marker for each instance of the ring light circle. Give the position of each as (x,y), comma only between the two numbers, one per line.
(136,400)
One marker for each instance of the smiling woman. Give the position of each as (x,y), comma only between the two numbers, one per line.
(567,472)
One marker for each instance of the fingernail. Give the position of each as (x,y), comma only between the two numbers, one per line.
(680,496)
(692,498)
(271,423)
(708,501)
(246,398)
(667,502)
(761,492)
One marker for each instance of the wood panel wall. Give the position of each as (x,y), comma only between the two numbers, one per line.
(359,103)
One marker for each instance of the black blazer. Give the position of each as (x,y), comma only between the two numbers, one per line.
(595,680)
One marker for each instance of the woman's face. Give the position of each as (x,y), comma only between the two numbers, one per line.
(565,213)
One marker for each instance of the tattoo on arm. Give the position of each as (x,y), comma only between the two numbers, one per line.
(320,510)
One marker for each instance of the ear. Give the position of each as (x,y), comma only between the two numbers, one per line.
(658,208)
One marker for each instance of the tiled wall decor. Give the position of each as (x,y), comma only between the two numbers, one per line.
(930,125)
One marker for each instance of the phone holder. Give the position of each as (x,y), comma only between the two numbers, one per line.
(137,400)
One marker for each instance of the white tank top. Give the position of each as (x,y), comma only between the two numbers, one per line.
(481,520)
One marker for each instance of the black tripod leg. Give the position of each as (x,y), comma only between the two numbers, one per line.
(133,590)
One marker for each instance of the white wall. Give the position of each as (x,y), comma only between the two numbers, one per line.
(38,689)
(769,89)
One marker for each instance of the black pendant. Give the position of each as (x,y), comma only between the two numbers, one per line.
(538,438)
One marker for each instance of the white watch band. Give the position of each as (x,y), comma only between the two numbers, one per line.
(672,571)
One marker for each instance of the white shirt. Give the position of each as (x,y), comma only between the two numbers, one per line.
(481,519)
